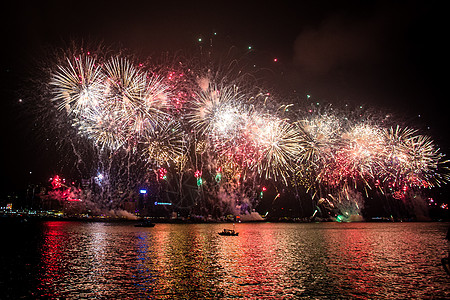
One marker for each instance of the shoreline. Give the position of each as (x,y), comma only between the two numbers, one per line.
(25,219)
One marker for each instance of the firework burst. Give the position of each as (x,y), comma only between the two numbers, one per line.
(111,103)
(137,98)
(187,120)
(165,145)
(217,111)
(277,144)
(78,86)
(413,159)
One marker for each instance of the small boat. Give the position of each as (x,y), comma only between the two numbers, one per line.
(229,232)
(145,223)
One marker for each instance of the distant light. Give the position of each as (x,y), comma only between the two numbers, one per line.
(162,174)
(163,203)
(199,39)
(275,59)
(143,191)
(249,47)
(218,177)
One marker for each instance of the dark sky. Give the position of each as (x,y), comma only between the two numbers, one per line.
(387,54)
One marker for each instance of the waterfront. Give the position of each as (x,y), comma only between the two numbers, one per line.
(85,260)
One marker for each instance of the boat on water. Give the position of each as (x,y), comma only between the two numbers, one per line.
(145,223)
(229,232)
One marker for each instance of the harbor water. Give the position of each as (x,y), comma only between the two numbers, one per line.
(95,260)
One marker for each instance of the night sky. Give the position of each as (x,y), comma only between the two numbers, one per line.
(385,55)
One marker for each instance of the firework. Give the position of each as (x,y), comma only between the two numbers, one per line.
(217,111)
(341,153)
(320,135)
(78,86)
(105,128)
(110,103)
(134,96)
(413,159)
(164,145)
(363,151)
(278,144)
(177,119)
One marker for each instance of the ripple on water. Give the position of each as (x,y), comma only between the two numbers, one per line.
(75,260)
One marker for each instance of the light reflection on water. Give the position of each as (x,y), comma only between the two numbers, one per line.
(266,261)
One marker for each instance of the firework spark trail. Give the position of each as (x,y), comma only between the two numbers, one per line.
(178,117)
(217,111)
(320,136)
(341,153)
(363,152)
(165,145)
(135,98)
(413,160)
(112,103)
(78,86)
(277,144)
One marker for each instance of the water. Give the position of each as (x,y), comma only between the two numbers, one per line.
(76,260)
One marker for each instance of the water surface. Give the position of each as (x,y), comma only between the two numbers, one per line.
(78,260)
